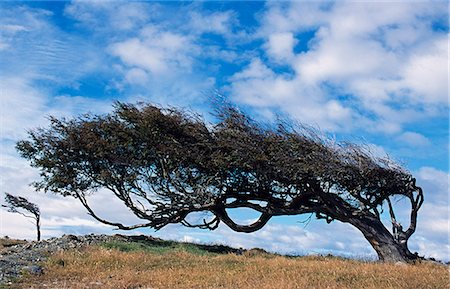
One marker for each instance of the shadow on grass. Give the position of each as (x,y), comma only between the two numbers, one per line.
(159,246)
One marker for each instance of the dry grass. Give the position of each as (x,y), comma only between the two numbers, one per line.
(99,267)
(7,242)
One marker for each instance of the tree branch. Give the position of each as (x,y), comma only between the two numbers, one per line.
(211,225)
(223,215)
(415,206)
(118,225)
(397,228)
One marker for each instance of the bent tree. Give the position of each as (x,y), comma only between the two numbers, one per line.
(165,163)
(17,204)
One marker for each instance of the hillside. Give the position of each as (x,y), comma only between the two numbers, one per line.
(144,262)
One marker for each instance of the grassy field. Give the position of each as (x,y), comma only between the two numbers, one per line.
(177,265)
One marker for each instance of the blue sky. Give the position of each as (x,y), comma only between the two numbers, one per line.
(368,72)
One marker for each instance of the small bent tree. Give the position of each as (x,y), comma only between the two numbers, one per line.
(16,204)
(165,163)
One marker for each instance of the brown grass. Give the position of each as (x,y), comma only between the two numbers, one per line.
(99,267)
(7,242)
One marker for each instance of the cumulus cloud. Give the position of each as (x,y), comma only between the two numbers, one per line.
(426,73)
(255,70)
(259,86)
(280,46)
(159,52)
(386,81)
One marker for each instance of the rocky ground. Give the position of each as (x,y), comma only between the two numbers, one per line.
(18,259)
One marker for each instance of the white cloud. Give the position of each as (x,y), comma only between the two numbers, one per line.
(440,226)
(135,53)
(157,51)
(426,73)
(337,58)
(104,15)
(280,46)
(16,226)
(414,139)
(216,22)
(387,81)
(137,76)
(439,251)
(336,112)
(317,238)
(24,106)
(57,222)
(258,86)
(12,28)
(162,51)
(21,104)
(255,70)
(36,48)
(436,182)
(189,239)
(281,17)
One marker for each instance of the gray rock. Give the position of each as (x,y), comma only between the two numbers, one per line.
(400,264)
(34,269)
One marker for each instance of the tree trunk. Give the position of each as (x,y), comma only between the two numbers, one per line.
(38,228)
(382,241)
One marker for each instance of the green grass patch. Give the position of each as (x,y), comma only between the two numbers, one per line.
(156,247)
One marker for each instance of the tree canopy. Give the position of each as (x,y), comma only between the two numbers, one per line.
(165,163)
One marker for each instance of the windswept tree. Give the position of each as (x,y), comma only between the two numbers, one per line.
(17,204)
(166,163)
